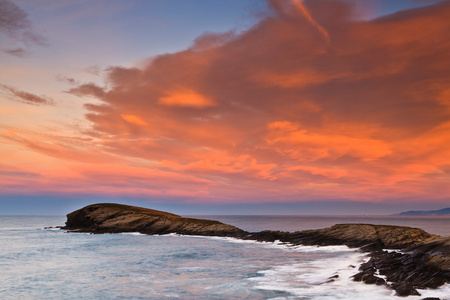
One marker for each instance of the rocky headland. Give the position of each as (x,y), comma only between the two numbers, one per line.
(402,258)
(116,218)
(425,213)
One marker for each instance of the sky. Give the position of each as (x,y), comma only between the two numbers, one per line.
(225,107)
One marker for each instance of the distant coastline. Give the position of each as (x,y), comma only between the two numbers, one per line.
(440,212)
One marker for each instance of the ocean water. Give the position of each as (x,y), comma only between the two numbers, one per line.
(38,263)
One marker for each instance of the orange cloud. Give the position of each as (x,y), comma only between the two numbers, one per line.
(302,9)
(300,144)
(303,78)
(276,112)
(133,119)
(327,172)
(224,164)
(186,99)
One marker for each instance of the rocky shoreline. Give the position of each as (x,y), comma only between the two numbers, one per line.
(402,258)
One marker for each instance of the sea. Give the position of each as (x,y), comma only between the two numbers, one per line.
(40,263)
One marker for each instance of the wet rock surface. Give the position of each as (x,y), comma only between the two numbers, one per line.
(403,272)
(422,260)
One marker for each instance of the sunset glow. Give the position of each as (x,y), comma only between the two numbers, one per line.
(313,101)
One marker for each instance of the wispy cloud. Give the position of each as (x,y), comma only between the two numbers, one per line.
(13,19)
(15,24)
(87,89)
(19,52)
(24,97)
(13,171)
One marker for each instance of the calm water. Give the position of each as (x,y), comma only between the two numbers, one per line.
(52,264)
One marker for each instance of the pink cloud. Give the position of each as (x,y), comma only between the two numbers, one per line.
(310,103)
(25,97)
(87,89)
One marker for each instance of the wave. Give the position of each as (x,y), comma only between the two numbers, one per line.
(328,278)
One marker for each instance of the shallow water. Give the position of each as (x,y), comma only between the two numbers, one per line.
(52,264)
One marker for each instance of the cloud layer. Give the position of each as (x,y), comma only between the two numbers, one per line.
(15,24)
(310,103)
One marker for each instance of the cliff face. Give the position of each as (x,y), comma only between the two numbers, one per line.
(115,218)
(424,260)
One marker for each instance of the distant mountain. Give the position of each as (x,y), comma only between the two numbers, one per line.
(440,212)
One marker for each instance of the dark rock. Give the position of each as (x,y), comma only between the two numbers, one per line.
(368,274)
(372,279)
(404,289)
(330,279)
(376,246)
(424,261)
(268,236)
(407,271)
(366,270)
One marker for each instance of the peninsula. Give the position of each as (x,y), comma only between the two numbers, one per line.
(422,260)
(416,213)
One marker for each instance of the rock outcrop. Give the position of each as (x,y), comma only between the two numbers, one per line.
(367,236)
(116,218)
(403,272)
(422,260)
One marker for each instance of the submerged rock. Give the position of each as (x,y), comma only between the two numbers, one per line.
(423,262)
